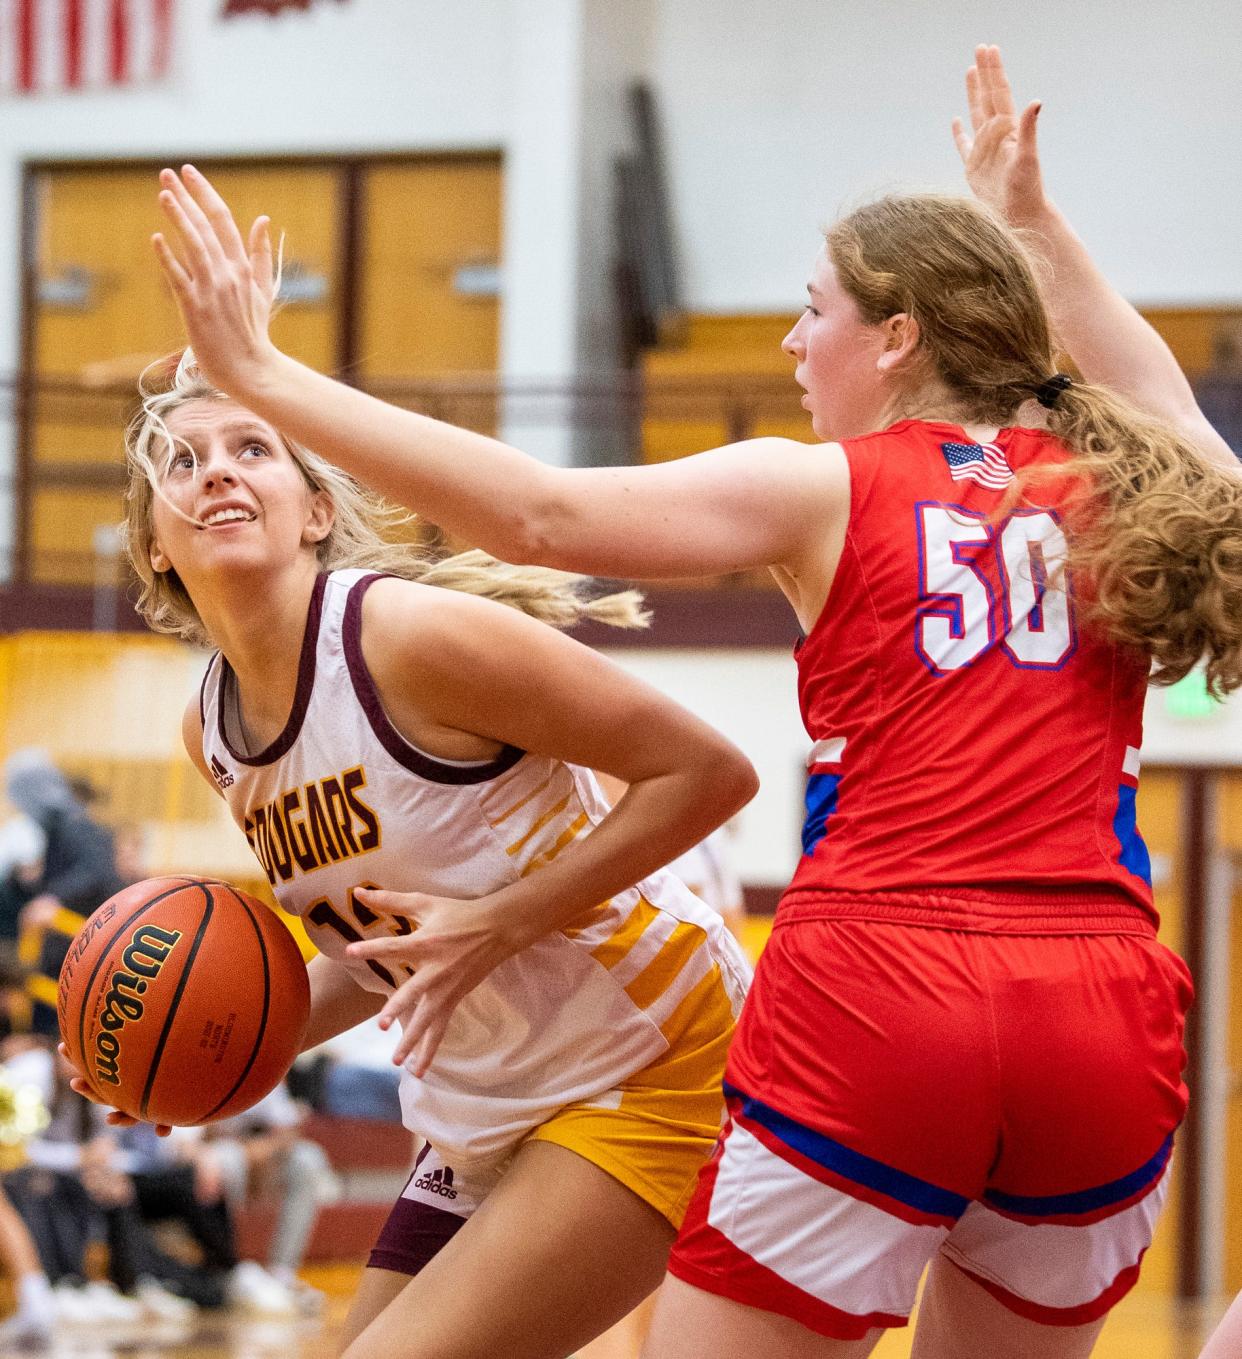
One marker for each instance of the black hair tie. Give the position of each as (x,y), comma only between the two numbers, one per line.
(1048,392)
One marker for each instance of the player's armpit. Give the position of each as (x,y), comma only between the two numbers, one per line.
(192,738)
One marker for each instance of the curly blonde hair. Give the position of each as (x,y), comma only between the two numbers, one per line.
(359,536)
(1154,527)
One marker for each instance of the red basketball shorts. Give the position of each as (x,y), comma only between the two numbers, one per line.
(1007,1099)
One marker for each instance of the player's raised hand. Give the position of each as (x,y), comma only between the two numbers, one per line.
(223,285)
(1000,154)
(81,1086)
(455,945)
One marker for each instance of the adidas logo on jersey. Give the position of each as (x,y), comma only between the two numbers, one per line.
(221,775)
(438,1182)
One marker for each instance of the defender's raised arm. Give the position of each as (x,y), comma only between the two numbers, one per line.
(747,505)
(1106,337)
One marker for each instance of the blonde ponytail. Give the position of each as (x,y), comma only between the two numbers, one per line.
(554,597)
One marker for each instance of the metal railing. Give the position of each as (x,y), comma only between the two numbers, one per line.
(67,438)
(66,435)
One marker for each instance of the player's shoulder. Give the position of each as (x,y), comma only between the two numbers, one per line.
(901,448)
(803,452)
(192,718)
(426,629)
(796,465)
(910,433)
(417,611)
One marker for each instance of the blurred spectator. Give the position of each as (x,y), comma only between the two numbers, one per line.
(74,1186)
(30,1326)
(14,1001)
(22,846)
(130,853)
(78,872)
(79,860)
(261,1155)
(171,1182)
(184,1178)
(351,1075)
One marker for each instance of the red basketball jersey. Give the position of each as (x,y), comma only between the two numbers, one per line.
(967,728)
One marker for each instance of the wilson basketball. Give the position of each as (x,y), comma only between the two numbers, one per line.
(183,1000)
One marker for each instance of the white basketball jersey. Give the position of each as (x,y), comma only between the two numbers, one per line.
(340,800)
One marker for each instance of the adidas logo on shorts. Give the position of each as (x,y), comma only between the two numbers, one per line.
(220,774)
(440,1182)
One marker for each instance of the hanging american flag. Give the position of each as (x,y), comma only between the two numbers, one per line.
(984,463)
(52,45)
(235,7)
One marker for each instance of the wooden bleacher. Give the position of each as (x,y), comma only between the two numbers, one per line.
(720,378)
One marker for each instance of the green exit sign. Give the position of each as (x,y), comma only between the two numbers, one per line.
(1189,699)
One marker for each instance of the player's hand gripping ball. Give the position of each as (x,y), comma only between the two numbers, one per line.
(183,1000)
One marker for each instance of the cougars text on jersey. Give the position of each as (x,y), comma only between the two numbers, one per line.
(313,825)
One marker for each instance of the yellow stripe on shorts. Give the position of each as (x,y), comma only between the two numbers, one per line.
(631,930)
(664,969)
(707,1006)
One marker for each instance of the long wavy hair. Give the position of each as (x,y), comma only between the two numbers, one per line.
(360,535)
(1154,527)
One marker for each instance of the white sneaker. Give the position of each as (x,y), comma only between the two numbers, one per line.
(70,1304)
(307,1299)
(108,1306)
(253,1289)
(159,1304)
(25,1332)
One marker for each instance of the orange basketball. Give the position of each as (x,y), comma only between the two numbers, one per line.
(183,1000)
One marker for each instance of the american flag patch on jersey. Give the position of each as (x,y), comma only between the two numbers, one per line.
(984,463)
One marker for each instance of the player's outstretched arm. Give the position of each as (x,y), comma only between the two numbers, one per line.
(1106,337)
(759,503)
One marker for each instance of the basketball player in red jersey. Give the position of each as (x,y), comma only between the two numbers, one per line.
(963,1047)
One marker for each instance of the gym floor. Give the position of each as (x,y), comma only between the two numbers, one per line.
(1142,1327)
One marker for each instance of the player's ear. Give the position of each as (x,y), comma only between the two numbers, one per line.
(320,517)
(159,562)
(901,339)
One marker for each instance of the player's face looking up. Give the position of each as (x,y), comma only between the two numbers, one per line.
(844,364)
(245,501)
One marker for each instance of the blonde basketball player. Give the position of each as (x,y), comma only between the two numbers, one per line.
(370,729)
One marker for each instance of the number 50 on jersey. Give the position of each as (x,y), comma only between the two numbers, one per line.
(984,584)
